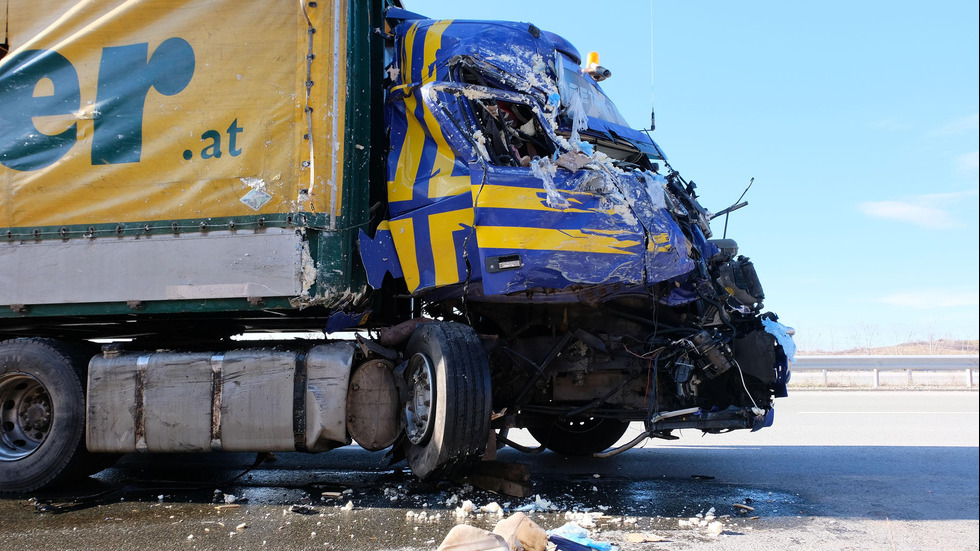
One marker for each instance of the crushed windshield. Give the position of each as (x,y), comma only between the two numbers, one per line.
(572,80)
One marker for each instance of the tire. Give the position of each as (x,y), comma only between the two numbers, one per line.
(449,434)
(579,436)
(42,415)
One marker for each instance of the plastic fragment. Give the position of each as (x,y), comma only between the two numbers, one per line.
(464,537)
(783,337)
(636,537)
(574,533)
(544,169)
(521,532)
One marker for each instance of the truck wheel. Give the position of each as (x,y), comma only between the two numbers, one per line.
(447,415)
(579,436)
(42,415)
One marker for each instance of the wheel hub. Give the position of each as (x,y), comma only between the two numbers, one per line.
(36,417)
(419,408)
(25,415)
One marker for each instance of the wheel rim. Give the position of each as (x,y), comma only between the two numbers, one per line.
(25,415)
(419,408)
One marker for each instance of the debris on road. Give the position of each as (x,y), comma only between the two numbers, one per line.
(637,537)
(518,529)
(464,537)
(514,533)
(539,504)
(492,508)
(465,509)
(575,534)
(512,479)
(302,509)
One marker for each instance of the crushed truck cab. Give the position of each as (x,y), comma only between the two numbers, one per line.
(522,203)
(484,239)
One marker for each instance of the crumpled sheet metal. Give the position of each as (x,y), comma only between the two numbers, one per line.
(604,236)
(453,215)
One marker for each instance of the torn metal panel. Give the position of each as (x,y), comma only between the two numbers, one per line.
(432,242)
(595,239)
(422,167)
(379,255)
(425,49)
(461,110)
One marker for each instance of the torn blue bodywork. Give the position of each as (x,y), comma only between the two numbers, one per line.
(467,123)
(521,202)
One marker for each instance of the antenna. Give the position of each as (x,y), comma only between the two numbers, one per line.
(738,204)
(653,113)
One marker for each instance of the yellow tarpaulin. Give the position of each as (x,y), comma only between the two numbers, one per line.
(118,111)
(3,21)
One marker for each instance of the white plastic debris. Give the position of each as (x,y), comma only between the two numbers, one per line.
(465,509)
(349,506)
(655,189)
(539,504)
(575,108)
(492,508)
(585,520)
(230,498)
(544,169)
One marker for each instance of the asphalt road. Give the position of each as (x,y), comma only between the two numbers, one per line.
(838,470)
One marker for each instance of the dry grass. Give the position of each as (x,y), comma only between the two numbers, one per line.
(938,347)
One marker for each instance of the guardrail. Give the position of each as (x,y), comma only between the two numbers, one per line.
(876,364)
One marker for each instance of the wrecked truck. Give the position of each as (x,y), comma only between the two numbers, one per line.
(486,242)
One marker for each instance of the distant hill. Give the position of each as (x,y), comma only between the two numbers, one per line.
(939,347)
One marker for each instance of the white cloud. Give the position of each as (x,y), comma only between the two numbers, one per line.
(931,211)
(969,123)
(919,215)
(890,125)
(928,299)
(968,162)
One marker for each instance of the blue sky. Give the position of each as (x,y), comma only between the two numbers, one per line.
(858,121)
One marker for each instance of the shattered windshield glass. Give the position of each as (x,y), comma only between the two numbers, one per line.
(573,81)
